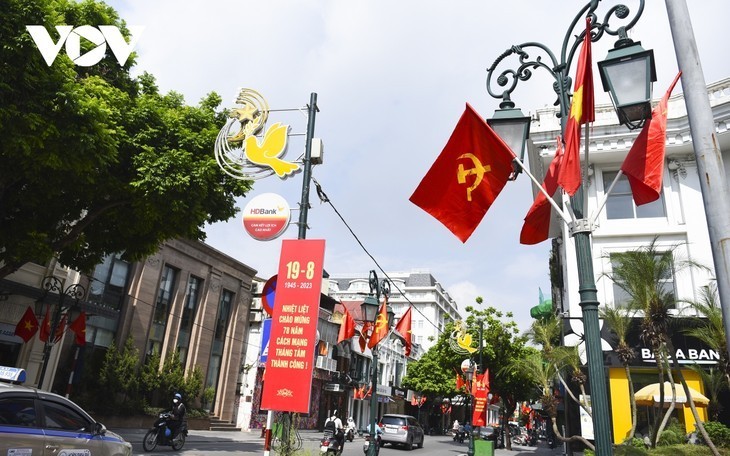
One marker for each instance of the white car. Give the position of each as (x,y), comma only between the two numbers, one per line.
(36,422)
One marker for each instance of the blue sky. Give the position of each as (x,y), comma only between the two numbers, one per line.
(391,79)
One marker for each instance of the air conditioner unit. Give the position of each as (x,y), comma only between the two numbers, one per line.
(321,362)
(255,317)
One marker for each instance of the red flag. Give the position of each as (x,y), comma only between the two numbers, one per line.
(404,329)
(582,110)
(45,327)
(459,382)
(380,330)
(347,327)
(27,326)
(644,164)
(79,328)
(60,329)
(466,177)
(363,336)
(537,221)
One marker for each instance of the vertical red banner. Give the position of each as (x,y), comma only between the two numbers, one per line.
(288,378)
(479,391)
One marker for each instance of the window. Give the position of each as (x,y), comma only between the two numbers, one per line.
(162,309)
(109,282)
(620,203)
(219,335)
(60,416)
(17,411)
(192,297)
(621,297)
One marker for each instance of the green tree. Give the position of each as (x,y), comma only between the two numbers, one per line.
(710,329)
(149,377)
(93,161)
(119,378)
(620,322)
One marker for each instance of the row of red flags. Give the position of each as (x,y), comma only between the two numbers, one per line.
(371,334)
(28,326)
(474,149)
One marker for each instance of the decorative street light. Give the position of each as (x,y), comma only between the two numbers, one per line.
(369,308)
(76,292)
(632,111)
(467,368)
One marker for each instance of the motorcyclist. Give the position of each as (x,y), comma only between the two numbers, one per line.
(351,426)
(177,415)
(334,422)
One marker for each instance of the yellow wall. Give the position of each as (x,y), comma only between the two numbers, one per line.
(621,405)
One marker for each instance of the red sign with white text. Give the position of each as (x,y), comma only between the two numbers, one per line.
(288,376)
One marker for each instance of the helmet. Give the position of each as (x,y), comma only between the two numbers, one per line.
(177,396)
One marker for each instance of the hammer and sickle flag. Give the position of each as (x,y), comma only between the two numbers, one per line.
(467,176)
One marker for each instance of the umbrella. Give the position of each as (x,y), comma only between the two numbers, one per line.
(649,395)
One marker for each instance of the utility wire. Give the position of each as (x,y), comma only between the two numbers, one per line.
(325,199)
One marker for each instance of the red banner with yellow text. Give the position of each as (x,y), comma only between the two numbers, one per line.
(288,380)
(480,389)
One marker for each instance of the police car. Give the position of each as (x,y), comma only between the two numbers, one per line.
(37,423)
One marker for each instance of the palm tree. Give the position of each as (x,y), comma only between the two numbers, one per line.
(620,322)
(543,374)
(710,330)
(642,274)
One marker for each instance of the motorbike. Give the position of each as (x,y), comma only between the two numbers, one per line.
(551,441)
(329,445)
(350,433)
(460,435)
(161,434)
(378,443)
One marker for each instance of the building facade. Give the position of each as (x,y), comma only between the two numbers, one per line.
(677,221)
(187,298)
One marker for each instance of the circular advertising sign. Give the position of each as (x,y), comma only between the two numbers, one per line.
(266,216)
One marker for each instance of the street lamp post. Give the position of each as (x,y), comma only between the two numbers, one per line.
(369,309)
(631,113)
(76,292)
(467,367)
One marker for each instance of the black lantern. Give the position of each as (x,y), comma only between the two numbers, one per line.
(628,74)
(511,125)
(369,308)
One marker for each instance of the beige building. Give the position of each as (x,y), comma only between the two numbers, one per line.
(188,296)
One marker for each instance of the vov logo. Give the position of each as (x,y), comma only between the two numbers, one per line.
(71,36)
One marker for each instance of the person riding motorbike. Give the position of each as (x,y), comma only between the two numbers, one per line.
(334,423)
(177,415)
(351,429)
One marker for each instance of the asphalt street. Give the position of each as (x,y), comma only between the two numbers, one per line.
(219,443)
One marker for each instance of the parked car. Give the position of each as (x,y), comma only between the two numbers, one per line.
(39,422)
(401,430)
(489,433)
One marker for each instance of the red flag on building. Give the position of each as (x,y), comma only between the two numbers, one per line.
(45,329)
(404,329)
(27,326)
(537,221)
(347,327)
(380,330)
(60,329)
(79,328)
(644,164)
(582,111)
(466,177)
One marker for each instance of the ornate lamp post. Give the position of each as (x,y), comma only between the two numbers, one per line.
(624,61)
(369,308)
(467,368)
(76,292)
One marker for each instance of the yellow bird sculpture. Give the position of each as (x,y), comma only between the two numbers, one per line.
(267,152)
(464,341)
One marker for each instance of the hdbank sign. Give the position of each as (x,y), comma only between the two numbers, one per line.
(71,36)
(266,216)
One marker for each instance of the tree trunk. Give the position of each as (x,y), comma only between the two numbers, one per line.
(574,438)
(698,422)
(634,418)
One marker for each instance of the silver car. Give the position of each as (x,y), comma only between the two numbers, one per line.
(37,422)
(402,430)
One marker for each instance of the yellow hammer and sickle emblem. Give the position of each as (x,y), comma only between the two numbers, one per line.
(380,322)
(478,170)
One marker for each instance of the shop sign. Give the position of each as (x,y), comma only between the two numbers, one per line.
(685,356)
(288,377)
(383,390)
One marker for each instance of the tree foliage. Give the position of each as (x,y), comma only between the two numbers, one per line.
(94,161)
